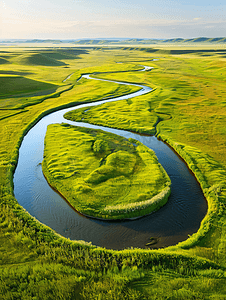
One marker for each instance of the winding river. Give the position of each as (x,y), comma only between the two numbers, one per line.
(181,215)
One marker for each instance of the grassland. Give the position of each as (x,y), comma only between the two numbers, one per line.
(122,114)
(189,95)
(187,110)
(103,175)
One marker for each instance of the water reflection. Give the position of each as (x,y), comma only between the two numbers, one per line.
(181,216)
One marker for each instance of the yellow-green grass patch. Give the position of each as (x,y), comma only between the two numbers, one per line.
(23,100)
(9,113)
(131,114)
(103,175)
(13,85)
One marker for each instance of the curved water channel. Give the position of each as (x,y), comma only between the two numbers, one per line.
(181,215)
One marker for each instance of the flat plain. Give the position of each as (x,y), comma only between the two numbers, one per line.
(186,109)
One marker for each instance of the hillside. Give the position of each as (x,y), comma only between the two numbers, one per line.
(120,41)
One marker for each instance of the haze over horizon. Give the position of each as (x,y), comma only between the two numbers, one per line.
(77,19)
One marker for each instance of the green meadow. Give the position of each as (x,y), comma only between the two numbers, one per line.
(103,175)
(186,109)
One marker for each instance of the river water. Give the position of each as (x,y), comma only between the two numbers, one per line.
(181,215)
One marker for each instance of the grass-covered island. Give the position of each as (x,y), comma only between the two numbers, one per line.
(103,175)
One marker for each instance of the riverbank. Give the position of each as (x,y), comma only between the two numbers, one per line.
(32,252)
(39,195)
(180,120)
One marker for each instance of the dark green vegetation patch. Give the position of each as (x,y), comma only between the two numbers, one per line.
(104,175)
(11,84)
(39,60)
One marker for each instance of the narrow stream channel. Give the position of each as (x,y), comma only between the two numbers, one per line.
(181,215)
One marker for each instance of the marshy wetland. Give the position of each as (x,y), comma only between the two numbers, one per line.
(186,109)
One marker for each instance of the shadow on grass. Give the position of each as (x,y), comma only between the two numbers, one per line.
(15,73)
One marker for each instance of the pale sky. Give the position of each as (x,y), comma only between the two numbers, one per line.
(75,19)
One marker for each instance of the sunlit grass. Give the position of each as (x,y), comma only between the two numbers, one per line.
(12,85)
(190,97)
(103,175)
(189,104)
(132,115)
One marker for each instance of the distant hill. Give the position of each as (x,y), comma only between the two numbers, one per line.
(125,41)
(150,41)
(3,61)
(37,59)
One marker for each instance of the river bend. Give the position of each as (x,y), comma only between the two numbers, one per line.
(181,215)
